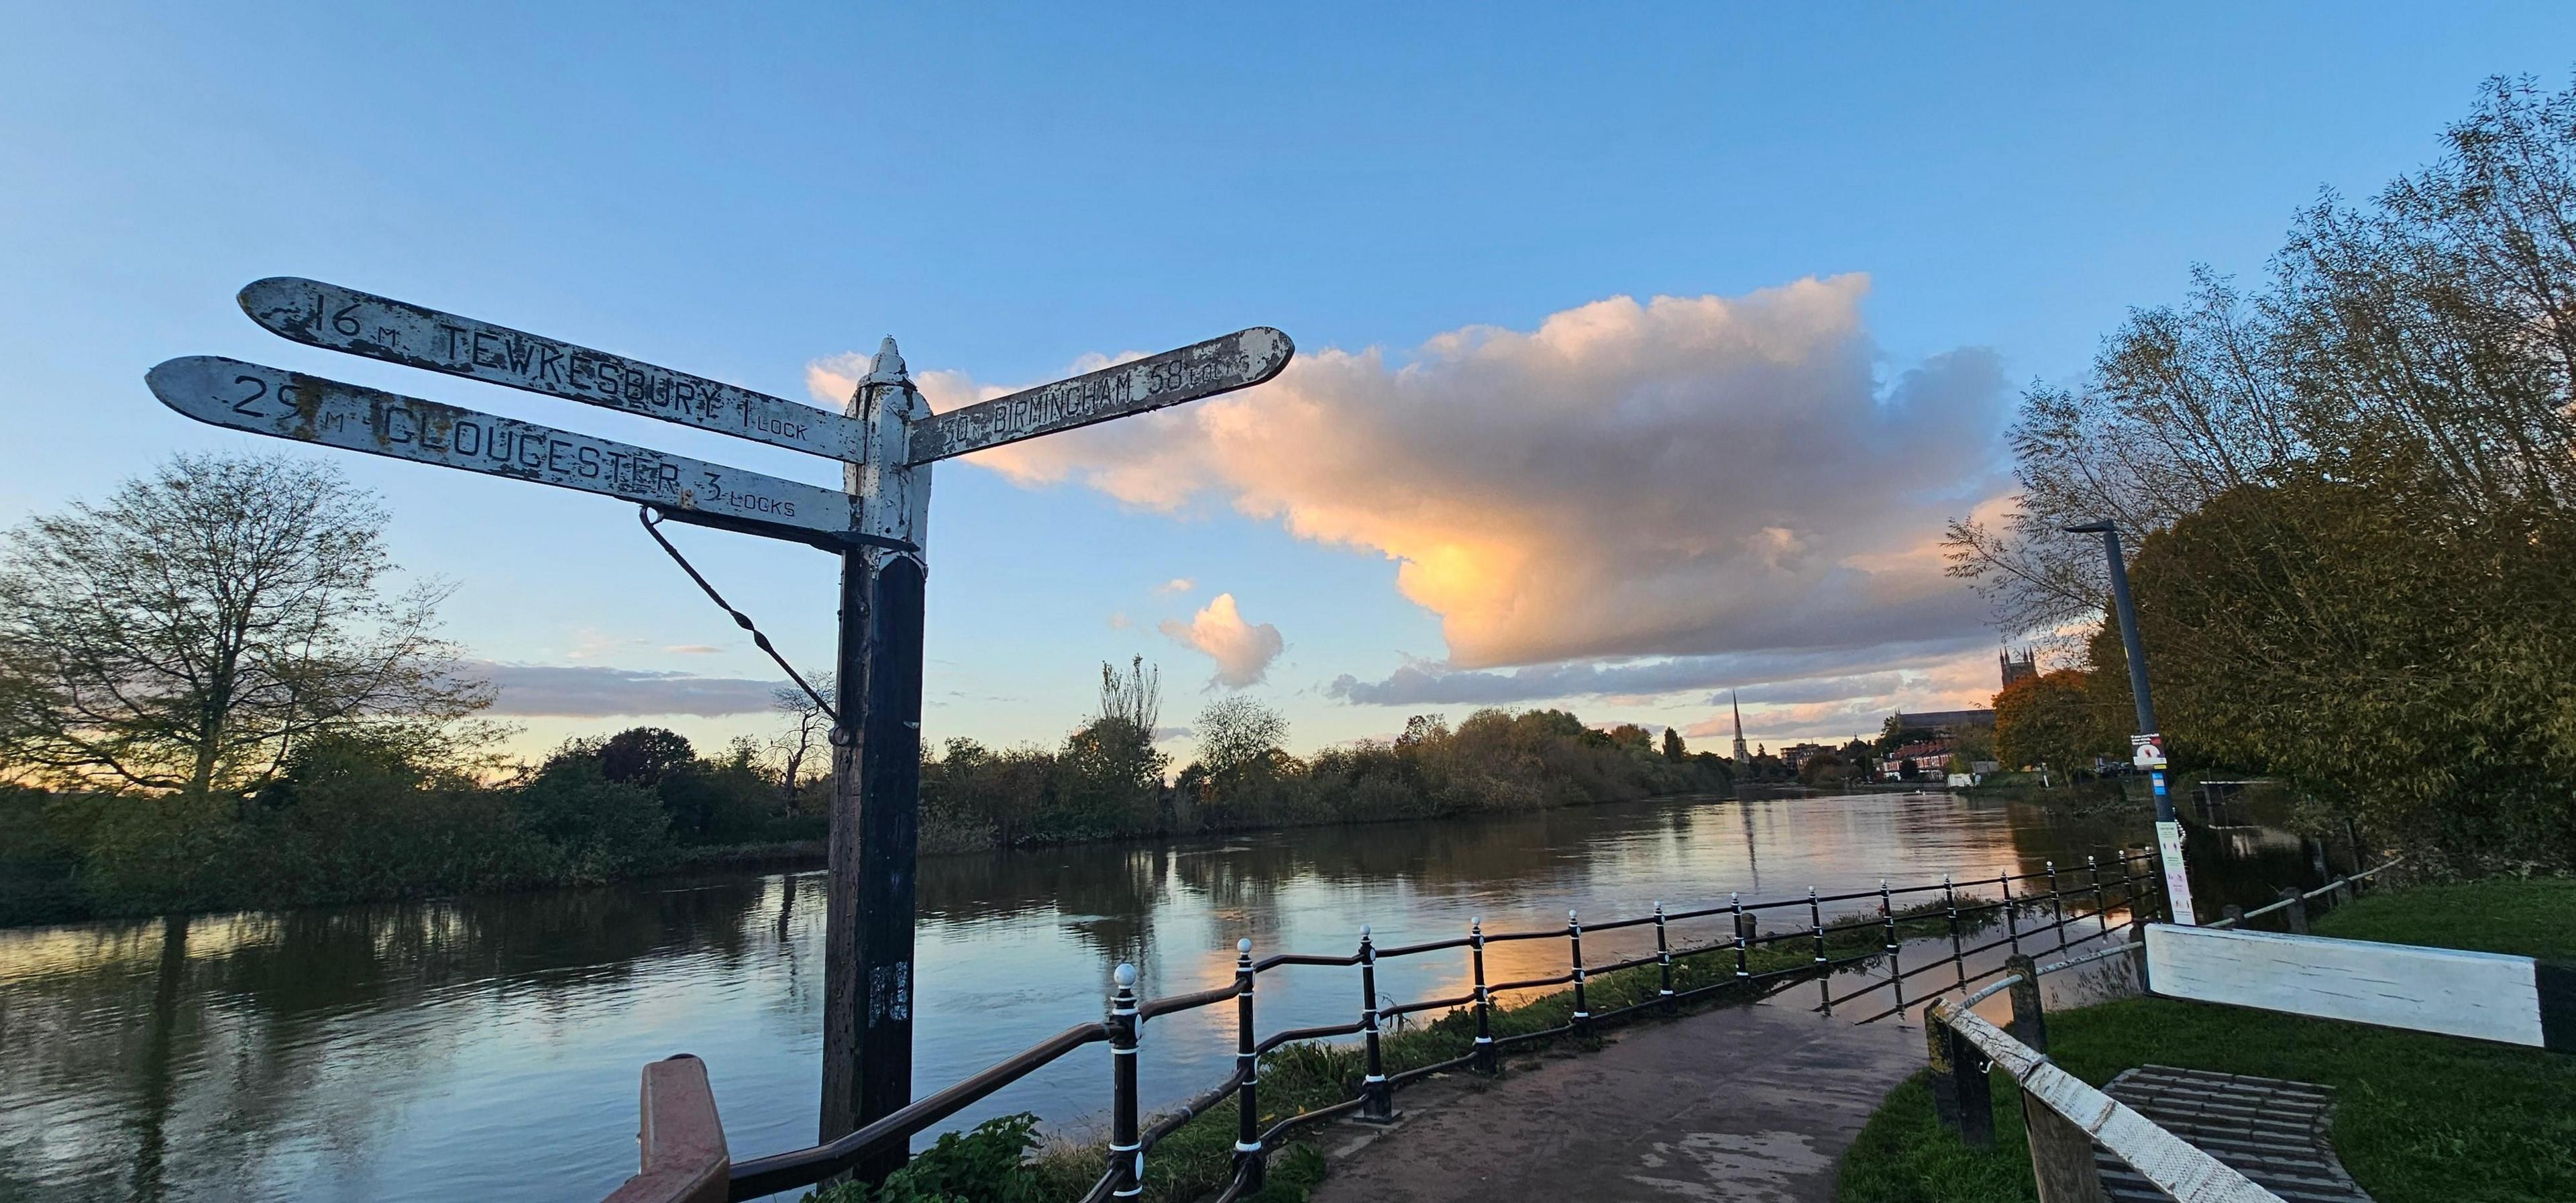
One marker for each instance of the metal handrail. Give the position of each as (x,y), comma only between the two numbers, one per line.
(806,1166)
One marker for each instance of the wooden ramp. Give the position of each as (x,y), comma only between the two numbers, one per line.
(2269,1130)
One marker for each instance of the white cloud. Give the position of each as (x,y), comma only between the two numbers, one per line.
(1118,620)
(1178,584)
(1687,476)
(693,649)
(1242,651)
(597,691)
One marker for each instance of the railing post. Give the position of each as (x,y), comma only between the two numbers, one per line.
(1486,1063)
(2233,916)
(2297,911)
(1574,938)
(1824,980)
(1377,1099)
(2028,1025)
(2129,886)
(1126,1150)
(1950,904)
(1248,1161)
(1664,961)
(1743,937)
(1895,972)
(2093,870)
(2012,919)
(2056,907)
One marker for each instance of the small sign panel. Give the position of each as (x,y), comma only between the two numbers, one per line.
(2177,876)
(1219,365)
(2148,751)
(362,323)
(291,405)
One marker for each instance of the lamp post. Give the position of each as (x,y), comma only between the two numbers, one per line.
(2148,745)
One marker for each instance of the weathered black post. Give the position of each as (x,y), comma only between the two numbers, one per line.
(1248,1162)
(2233,914)
(1574,937)
(1887,917)
(2012,917)
(1974,1092)
(1663,961)
(2093,871)
(1377,1099)
(1486,1063)
(1942,1079)
(2028,1025)
(2056,907)
(2297,912)
(1126,1148)
(876,770)
(1743,937)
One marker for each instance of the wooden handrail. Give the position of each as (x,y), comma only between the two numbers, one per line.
(2171,1163)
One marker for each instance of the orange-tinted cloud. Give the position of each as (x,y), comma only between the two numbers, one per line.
(1679,477)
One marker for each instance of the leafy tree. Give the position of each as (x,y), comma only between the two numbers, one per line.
(190,632)
(1673,749)
(2048,720)
(1235,732)
(644,755)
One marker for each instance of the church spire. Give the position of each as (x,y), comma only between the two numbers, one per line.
(1738,703)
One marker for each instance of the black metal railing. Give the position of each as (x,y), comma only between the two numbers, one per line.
(1131,1141)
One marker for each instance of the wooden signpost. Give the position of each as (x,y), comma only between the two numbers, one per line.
(877,523)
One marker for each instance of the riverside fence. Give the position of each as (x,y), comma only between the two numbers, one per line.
(1757,954)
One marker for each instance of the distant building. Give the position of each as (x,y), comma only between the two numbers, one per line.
(1931,759)
(2022,669)
(1797,754)
(1944,722)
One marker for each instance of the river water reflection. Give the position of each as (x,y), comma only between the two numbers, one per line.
(488,1048)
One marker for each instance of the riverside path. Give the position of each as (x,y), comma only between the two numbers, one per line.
(1741,1104)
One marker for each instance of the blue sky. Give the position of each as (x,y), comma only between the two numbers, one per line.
(1488,478)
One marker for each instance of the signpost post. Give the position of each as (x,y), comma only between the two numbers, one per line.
(877,523)
(2147,747)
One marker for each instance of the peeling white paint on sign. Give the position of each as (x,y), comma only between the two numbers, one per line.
(1219,365)
(361,323)
(291,405)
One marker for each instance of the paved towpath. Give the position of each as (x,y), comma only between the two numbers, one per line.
(1744,1104)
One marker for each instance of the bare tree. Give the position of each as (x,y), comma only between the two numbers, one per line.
(195,627)
(809,723)
(1135,696)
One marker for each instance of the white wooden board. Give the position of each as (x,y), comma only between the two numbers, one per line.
(2482,995)
(291,405)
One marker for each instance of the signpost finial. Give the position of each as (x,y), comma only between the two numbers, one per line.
(887,367)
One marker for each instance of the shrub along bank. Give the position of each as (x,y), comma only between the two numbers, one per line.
(383,815)
(2417,1117)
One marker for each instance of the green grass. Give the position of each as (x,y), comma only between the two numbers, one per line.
(2418,1117)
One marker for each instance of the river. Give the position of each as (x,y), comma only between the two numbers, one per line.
(488,1047)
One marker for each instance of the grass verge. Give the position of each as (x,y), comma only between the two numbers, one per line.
(2418,1117)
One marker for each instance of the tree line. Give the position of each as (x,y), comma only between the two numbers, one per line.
(211,697)
(2355,478)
